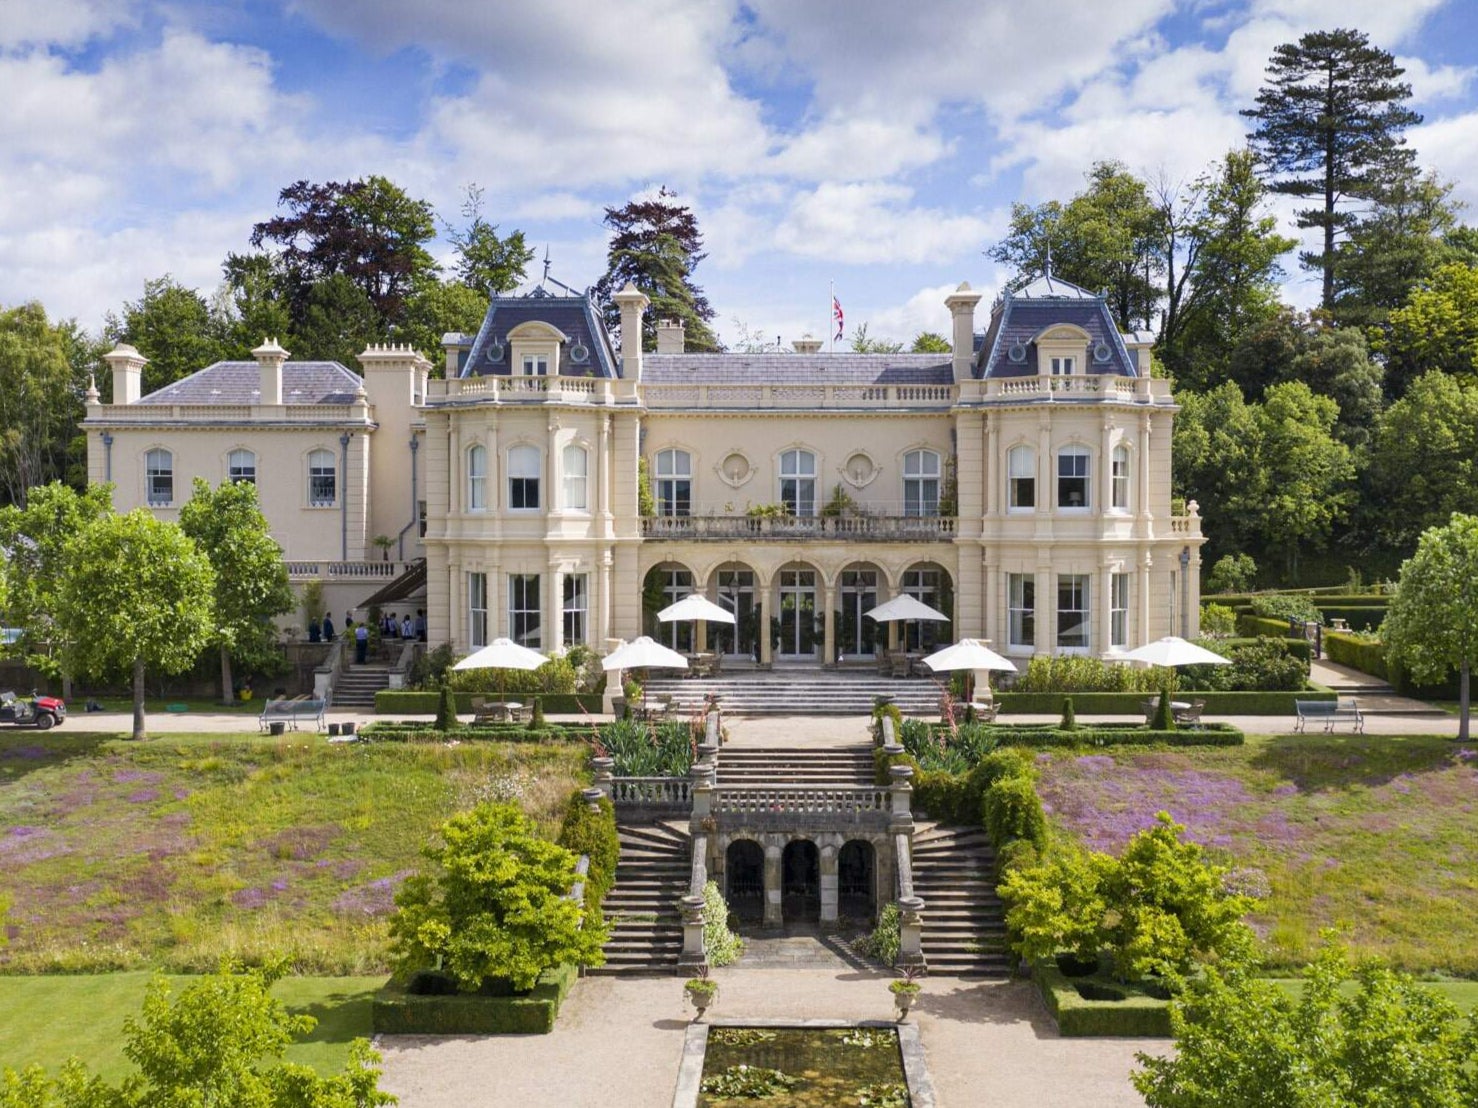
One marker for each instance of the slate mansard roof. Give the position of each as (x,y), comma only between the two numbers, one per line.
(1019,317)
(578,317)
(240,383)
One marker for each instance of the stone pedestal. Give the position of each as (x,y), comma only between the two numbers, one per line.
(910,931)
(604,773)
(692,954)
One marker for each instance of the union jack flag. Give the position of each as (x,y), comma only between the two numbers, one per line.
(836,315)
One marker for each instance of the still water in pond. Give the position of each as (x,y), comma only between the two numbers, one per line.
(793,1068)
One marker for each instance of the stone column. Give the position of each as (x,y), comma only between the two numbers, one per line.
(910,931)
(901,797)
(554,609)
(829,884)
(1104,606)
(1142,472)
(1105,498)
(828,624)
(774,915)
(762,601)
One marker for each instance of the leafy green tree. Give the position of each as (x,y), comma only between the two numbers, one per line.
(1437,328)
(1329,126)
(436,308)
(1057,904)
(1431,626)
(496,906)
(1264,352)
(368,231)
(1232,573)
(656,245)
(35,538)
(1335,362)
(40,400)
(252,304)
(1355,1036)
(250,578)
(930,342)
(136,594)
(1424,459)
(1215,447)
(338,321)
(863,343)
(486,263)
(171,325)
(217,1044)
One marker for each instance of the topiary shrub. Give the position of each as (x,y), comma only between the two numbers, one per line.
(1164,719)
(593,833)
(1013,810)
(536,715)
(1218,621)
(446,710)
(1069,717)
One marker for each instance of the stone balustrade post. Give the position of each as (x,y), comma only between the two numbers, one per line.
(901,793)
(603,768)
(692,955)
(910,931)
(701,777)
(592,798)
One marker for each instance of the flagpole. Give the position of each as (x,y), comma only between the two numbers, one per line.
(831,329)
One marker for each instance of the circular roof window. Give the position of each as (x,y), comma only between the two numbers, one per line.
(1017,353)
(1102,352)
(579,353)
(495,351)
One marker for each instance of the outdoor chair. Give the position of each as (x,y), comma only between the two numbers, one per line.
(1189,716)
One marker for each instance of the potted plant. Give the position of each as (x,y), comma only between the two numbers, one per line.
(904,992)
(384,542)
(701,991)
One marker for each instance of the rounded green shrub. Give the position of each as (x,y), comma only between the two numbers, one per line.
(1013,810)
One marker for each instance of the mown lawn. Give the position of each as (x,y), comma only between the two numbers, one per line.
(49,1019)
(178,851)
(1373,834)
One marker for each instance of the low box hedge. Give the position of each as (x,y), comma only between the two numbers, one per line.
(1130,704)
(1137,1016)
(411,731)
(1370,657)
(397,1012)
(390,702)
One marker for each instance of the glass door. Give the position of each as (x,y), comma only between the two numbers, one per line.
(736,593)
(855,635)
(797,614)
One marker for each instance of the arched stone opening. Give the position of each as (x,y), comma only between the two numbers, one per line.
(800,882)
(665,584)
(744,880)
(931,584)
(797,627)
(734,586)
(858,589)
(857,880)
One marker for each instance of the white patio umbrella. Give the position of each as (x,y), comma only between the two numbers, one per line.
(695,607)
(502,654)
(643,653)
(1172,651)
(905,607)
(968,654)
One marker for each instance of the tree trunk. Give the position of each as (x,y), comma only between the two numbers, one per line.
(1462,703)
(227,691)
(138,699)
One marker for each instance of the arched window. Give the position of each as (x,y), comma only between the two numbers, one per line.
(477,478)
(159,476)
(523,477)
(1072,477)
(798,482)
(921,483)
(1120,490)
(576,471)
(674,487)
(1021,477)
(323,484)
(241,465)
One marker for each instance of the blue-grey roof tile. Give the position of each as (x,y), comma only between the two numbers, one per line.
(241,382)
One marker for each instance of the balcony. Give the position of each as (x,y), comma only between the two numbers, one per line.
(865,528)
(366,571)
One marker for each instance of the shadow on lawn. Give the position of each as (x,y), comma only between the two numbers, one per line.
(342,1017)
(1317,763)
(24,752)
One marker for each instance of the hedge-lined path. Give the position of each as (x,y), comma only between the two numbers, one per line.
(1373,694)
(619,1041)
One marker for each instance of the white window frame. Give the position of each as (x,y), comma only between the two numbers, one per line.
(535,365)
(525,466)
(1119,610)
(798,471)
(1021,607)
(1119,479)
(1021,477)
(477,478)
(525,621)
(575,474)
(673,487)
(241,465)
(159,477)
(323,480)
(677,584)
(1063,366)
(576,609)
(923,472)
(1081,459)
(1080,586)
(477,609)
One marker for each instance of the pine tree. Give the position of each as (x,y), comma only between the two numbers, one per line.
(656,245)
(1329,127)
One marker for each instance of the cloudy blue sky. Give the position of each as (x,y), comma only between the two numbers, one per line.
(875,144)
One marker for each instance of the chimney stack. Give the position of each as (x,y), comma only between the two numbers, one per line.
(961,304)
(127,365)
(270,357)
(671,336)
(807,344)
(632,302)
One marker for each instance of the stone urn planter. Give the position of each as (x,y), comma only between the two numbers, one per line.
(904,994)
(701,993)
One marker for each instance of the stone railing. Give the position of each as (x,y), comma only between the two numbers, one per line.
(230,413)
(652,793)
(1107,387)
(840,528)
(346,571)
(799,396)
(502,388)
(763,800)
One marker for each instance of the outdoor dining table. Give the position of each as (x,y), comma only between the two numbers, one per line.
(503,709)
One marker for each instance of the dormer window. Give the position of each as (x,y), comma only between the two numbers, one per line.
(1062,367)
(535,365)
(535,349)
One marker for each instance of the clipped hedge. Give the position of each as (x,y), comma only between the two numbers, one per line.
(1136,1016)
(395,1011)
(1130,704)
(390,702)
(1251,626)
(419,731)
(1370,657)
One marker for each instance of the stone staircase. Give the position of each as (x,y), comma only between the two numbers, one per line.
(964,931)
(642,906)
(786,765)
(355,687)
(792,692)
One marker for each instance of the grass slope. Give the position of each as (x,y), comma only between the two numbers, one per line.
(49,1019)
(1369,833)
(178,851)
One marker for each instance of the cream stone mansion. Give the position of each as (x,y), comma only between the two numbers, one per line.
(557,488)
